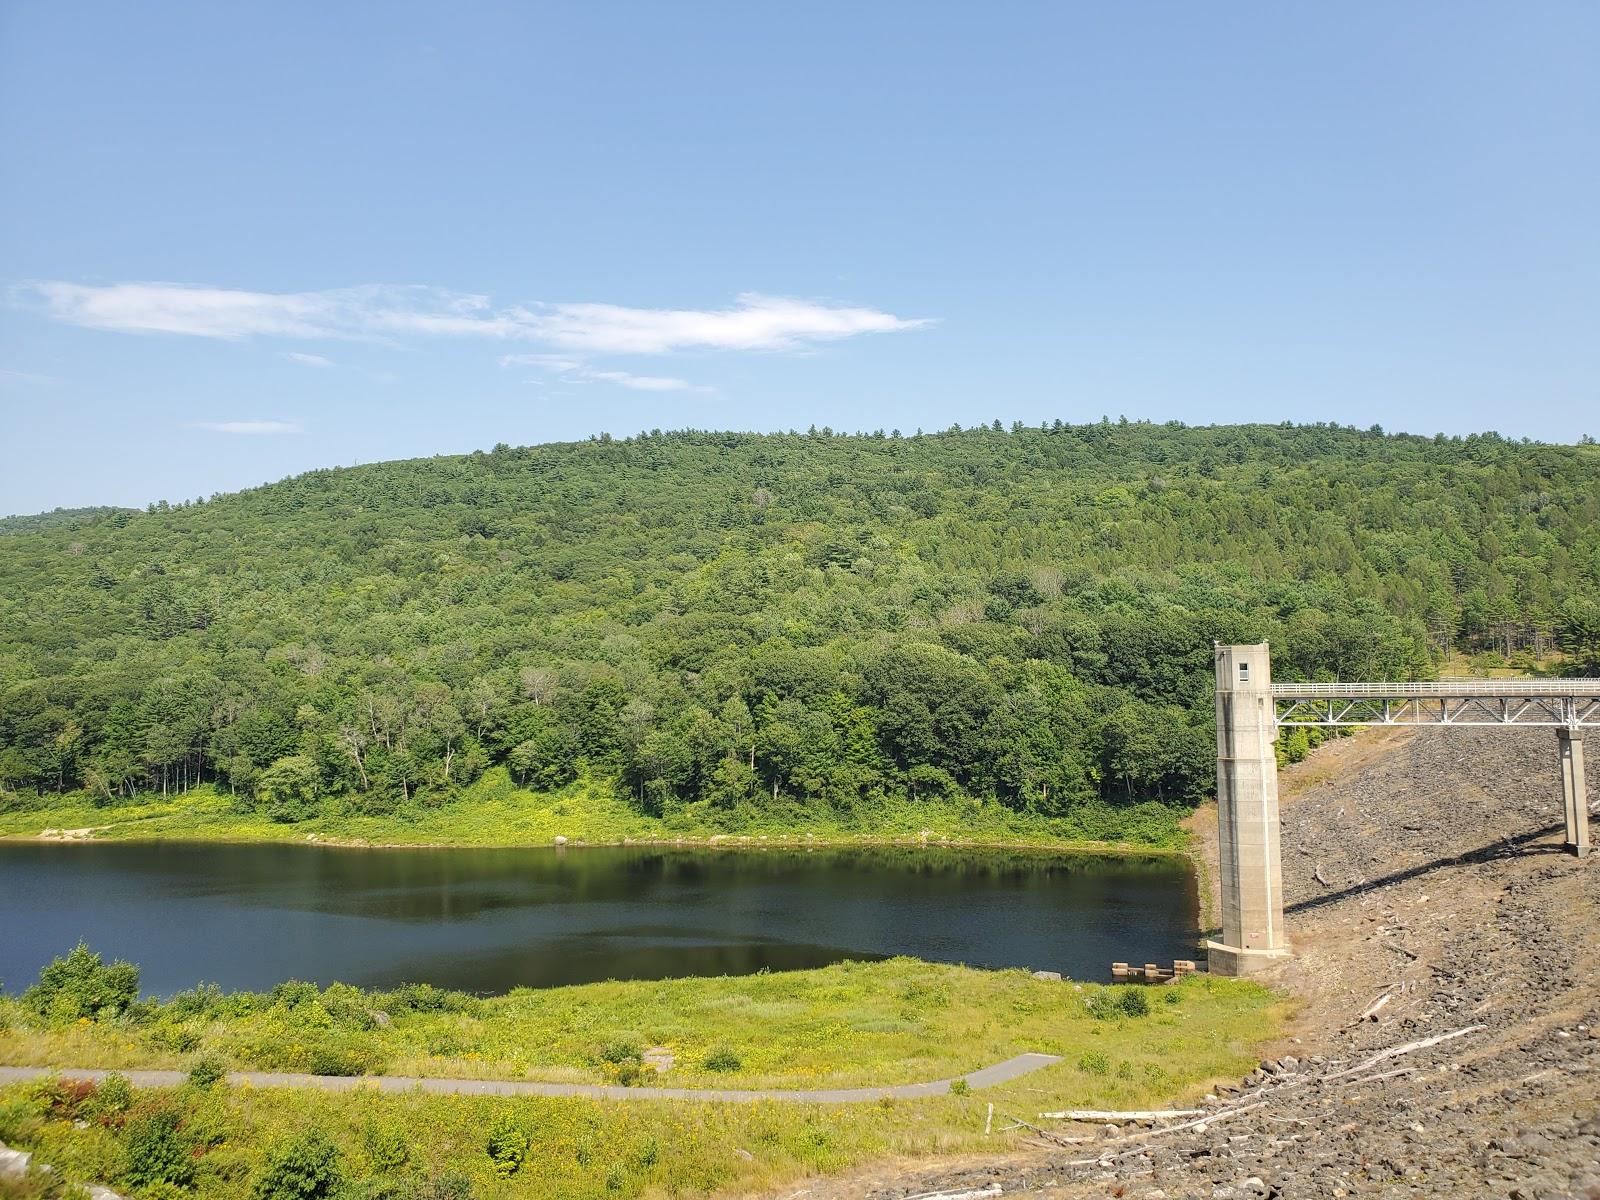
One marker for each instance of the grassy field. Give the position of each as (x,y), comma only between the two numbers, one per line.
(493,812)
(849,1024)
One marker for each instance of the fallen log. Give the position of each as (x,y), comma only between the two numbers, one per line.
(1407,1048)
(1095,1114)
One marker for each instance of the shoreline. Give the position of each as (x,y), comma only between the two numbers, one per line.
(716,841)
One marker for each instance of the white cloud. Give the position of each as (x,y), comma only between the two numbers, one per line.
(252,427)
(645,383)
(560,364)
(576,369)
(754,322)
(307,360)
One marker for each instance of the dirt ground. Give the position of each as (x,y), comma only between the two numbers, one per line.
(1426,867)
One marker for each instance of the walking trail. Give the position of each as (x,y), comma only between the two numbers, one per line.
(1002,1072)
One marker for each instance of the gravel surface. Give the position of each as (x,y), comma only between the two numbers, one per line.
(1446,890)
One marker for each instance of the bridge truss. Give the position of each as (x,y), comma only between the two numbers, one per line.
(1570,704)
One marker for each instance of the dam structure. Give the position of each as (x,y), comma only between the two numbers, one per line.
(1250,711)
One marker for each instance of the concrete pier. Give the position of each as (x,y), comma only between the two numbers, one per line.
(1574,793)
(1253,934)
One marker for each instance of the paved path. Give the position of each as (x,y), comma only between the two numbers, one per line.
(1002,1072)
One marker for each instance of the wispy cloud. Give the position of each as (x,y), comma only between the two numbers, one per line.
(645,383)
(6,373)
(753,322)
(307,360)
(251,427)
(576,369)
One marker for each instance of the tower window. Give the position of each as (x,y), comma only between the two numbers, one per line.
(1244,672)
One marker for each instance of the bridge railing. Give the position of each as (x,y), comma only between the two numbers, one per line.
(1452,689)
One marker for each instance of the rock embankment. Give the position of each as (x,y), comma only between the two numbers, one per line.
(1448,967)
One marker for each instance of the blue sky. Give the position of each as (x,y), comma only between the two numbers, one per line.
(242,240)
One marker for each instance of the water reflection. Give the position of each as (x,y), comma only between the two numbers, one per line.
(488,920)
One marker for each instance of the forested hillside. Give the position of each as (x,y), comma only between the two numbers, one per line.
(55,518)
(733,622)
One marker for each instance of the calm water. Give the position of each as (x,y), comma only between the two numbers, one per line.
(488,920)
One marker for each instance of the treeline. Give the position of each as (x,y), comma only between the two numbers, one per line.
(743,621)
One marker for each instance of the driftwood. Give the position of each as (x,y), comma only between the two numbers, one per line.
(1053,1138)
(1372,1010)
(1378,1076)
(1397,1051)
(1317,875)
(994,1189)
(1142,1135)
(1092,1114)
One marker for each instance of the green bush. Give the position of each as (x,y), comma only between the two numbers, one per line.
(621,1051)
(156,1150)
(292,993)
(80,985)
(205,1000)
(425,998)
(386,1145)
(1094,1063)
(178,1038)
(959,1087)
(36,1183)
(111,1100)
(307,1168)
(348,1007)
(507,1145)
(208,1070)
(1133,1002)
(723,1059)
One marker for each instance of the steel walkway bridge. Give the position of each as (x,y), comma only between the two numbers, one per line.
(1250,711)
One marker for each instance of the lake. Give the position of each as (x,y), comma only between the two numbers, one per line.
(250,916)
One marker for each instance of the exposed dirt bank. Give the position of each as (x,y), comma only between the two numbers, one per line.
(1425,867)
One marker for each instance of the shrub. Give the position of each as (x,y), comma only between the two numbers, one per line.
(81,985)
(1133,1002)
(35,1183)
(386,1145)
(1094,1063)
(723,1059)
(507,1145)
(308,1168)
(203,1001)
(959,1087)
(348,1007)
(628,1072)
(156,1150)
(178,1038)
(292,993)
(62,1099)
(111,1100)
(621,1051)
(207,1070)
(425,998)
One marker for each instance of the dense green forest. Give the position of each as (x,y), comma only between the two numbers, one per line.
(729,622)
(55,518)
